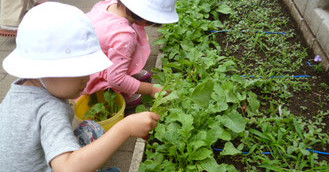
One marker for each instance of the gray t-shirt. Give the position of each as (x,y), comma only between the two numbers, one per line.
(35,127)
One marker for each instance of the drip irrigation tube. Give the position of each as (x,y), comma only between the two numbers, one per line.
(244,31)
(309,63)
(265,153)
(268,153)
(296,76)
(319,152)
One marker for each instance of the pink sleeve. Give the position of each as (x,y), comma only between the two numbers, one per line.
(122,46)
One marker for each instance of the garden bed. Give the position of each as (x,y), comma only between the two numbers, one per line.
(246,93)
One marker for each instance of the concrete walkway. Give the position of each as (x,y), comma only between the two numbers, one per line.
(123,158)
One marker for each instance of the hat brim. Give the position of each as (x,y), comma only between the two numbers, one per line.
(152,15)
(15,64)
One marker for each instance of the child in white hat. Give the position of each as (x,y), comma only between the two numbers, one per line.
(57,48)
(120,29)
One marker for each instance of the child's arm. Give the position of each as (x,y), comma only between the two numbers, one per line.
(94,155)
(149,89)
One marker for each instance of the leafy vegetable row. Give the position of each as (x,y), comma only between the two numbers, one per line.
(213,104)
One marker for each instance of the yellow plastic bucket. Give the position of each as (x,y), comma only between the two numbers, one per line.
(82,108)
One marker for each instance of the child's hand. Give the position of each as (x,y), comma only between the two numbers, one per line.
(156,89)
(140,124)
(150,89)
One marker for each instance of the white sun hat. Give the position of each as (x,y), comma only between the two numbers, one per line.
(55,40)
(157,11)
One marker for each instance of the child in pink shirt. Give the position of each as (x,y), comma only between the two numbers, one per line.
(120,29)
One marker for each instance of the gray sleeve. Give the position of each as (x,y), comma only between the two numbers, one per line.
(56,132)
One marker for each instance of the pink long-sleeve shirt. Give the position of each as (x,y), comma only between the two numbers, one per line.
(125,44)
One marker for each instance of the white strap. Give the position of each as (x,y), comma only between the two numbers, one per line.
(43,84)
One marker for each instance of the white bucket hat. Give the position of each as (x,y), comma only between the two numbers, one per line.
(157,11)
(55,40)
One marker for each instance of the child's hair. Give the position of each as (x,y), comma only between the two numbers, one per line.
(138,18)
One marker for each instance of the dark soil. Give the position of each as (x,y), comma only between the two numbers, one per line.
(315,100)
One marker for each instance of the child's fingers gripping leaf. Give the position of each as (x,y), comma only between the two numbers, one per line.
(141,124)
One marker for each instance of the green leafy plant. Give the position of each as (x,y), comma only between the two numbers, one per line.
(285,139)
(228,91)
(100,111)
(318,67)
